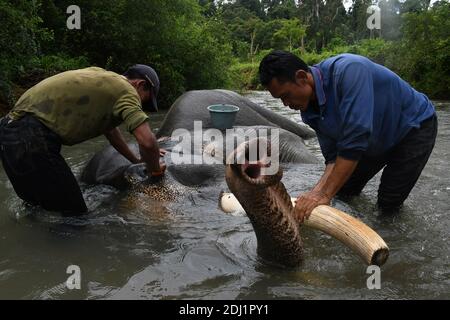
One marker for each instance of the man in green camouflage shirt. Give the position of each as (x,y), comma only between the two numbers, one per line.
(69,108)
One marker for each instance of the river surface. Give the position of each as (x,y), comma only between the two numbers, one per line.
(191,250)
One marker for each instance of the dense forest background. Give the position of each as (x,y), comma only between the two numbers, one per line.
(197,44)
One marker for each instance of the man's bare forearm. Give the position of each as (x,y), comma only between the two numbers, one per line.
(150,157)
(148,147)
(323,179)
(332,180)
(117,140)
(335,176)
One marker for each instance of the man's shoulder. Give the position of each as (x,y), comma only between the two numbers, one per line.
(337,65)
(100,72)
(87,70)
(117,84)
(84,74)
(90,72)
(343,60)
(99,82)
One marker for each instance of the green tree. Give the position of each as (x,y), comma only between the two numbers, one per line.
(208,7)
(253,6)
(19,41)
(265,32)
(325,21)
(409,6)
(292,32)
(390,19)
(284,9)
(358,19)
(171,35)
(243,26)
(423,56)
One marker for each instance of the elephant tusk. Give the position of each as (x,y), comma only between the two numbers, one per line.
(352,232)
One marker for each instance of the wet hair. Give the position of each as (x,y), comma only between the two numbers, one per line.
(281,65)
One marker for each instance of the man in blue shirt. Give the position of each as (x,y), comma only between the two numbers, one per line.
(366,118)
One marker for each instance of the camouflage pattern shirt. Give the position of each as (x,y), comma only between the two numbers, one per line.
(82,104)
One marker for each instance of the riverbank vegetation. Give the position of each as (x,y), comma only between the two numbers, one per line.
(197,44)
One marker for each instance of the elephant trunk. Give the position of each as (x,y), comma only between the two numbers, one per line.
(268,207)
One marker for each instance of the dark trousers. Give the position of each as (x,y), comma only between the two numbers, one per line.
(402,165)
(30,154)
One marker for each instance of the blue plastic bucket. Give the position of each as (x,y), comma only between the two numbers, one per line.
(223,115)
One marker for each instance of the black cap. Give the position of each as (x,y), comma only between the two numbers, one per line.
(145,72)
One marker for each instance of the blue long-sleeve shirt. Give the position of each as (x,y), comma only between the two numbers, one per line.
(363,107)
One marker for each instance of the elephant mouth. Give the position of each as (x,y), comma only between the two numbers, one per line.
(252,167)
(252,170)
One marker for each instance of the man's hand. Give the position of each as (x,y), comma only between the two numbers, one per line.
(148,147)
(306,203)
(162,169)
(334,177)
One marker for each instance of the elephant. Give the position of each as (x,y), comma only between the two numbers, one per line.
(192,106)
(202,165)
(206,161)
(204,158)
(109,167)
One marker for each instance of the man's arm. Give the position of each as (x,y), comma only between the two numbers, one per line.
(117,140)
(334,177)
(340,173)
(356,113)
(323,180)
(149,148)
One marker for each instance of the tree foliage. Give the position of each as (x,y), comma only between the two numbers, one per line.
(197,44)
(171,35)
(413,40)
(292,32)
(423,56)
(19,41)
